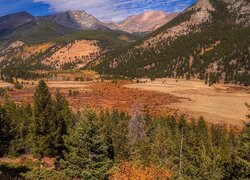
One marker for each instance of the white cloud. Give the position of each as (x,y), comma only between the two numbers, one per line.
(115,10)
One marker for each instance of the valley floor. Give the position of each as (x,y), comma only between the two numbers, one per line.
(217,104)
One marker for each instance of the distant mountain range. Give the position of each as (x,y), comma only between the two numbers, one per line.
(80,20)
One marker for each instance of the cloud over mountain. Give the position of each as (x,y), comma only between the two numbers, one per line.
(116,10)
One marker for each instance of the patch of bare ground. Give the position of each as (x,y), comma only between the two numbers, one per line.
(28,159)
(78,51)
(219,104)
(5,85)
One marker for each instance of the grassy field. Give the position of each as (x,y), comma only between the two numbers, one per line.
(217,104)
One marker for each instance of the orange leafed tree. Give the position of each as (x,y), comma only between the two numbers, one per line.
(130,171)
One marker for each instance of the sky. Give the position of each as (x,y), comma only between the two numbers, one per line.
(108,10)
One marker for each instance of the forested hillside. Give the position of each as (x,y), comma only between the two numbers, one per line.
(210,41)
(116,145)
(43,45)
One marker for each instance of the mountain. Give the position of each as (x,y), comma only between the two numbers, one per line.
(76,20)
(38,31)
(11,22)
(44,45)
(209,40)
(144,22)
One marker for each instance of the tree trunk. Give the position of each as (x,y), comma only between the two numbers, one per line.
(181,151)
(42,163)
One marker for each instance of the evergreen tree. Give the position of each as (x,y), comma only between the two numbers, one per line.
(242,155)
(87,156)
(221,155)
(19,121)
(161,147)
(107,127)
(43,121)
(63,122)
(5,132)
(120,138)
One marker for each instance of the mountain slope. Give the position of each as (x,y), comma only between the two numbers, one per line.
(11,22)
(38,31)
(146,22)
(36,46)
(210,40)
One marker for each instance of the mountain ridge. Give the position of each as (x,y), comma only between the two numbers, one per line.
(77,19)
(81,20)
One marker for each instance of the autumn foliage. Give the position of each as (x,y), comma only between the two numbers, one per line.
(131,171)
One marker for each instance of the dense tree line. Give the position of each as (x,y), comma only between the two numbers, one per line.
(92,145)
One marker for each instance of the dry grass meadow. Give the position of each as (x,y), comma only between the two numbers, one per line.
(217,104)
(224,104)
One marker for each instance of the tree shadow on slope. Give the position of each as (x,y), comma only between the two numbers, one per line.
(10,172)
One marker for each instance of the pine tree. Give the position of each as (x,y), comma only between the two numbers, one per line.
(242,155)
(5,132)
(43,121)
(87,156)
(161,147)
(120,139)
(221,156)
(107,129)
(19,121)
(63,122)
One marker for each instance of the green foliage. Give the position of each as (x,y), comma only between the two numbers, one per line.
(51,121)
(5,132)
(108,38)
(38,32)
(9,172)
(44,120)
(44,174)
(87,156)
(242,155)
(64,121)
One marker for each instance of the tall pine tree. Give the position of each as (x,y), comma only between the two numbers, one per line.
(43,121)
(87,152)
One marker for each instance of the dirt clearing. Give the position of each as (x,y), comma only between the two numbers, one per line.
(5,85)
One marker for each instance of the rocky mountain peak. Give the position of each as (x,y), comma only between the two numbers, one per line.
(77,19)
(144,22)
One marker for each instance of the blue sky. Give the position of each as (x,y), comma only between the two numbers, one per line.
(115,10)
